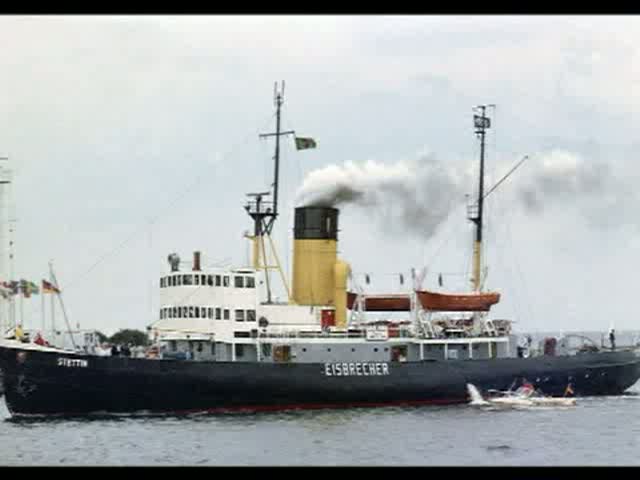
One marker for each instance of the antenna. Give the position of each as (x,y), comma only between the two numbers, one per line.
(267,220)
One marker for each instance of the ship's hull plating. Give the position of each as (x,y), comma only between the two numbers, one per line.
(50,383)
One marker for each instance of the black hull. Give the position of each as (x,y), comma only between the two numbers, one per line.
(50,383)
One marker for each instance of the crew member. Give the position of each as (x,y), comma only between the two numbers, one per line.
(612,338)
(19,333)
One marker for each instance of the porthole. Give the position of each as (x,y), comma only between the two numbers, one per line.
(328,349)
(353,349)
(375,349)
(304,349)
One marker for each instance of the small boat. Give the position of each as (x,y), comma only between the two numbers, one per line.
(380,303)
(458,302)
(525,396)
(433,301)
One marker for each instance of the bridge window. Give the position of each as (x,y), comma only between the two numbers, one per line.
(172,281)
(218,280)
(196,280)
(218,313)
(174,312)
(179,281)
(203,312)
(225,281)
(210,312)
(239,350)
(226,314)
(197,312)
(238,281)
(251,315)
(187,279)
(210,280)
(239,315)
(185,312)
(162,282)
(251,282)
(203,279)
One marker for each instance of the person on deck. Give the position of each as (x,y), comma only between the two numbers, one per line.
(19,333)
(39,340)
(612,338)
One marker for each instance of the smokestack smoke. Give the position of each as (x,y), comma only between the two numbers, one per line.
(417,196)
(566,178)
(408,197)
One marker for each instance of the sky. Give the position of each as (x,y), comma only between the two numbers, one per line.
(132,137)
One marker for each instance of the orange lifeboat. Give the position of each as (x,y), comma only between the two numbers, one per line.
(458,302)
(381,303)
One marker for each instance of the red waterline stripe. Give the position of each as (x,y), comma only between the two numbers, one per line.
(262,408)
(318,406)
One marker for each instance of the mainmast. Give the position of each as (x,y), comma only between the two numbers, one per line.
(264,212)
(481,123)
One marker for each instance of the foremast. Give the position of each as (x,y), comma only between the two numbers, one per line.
(264,212)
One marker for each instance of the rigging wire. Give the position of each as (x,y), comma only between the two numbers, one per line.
(528,305)
(149,223)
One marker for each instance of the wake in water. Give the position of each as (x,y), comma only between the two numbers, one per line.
(476,397)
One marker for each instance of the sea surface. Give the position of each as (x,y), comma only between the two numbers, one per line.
(597,431)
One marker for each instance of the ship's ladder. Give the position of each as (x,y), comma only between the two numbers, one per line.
(490,328)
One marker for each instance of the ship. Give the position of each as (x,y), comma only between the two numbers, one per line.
(223,342)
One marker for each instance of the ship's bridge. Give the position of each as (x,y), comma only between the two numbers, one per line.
(208,302)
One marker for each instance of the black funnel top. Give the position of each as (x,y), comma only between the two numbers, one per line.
(316,223)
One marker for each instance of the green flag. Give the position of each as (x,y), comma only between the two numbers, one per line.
(304,143)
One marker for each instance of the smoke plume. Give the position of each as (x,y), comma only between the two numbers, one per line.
(417,196)
(566,179)
(412,197)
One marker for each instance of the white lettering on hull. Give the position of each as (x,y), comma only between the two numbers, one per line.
(355,369)
(72,362)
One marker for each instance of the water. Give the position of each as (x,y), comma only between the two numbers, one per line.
(598,431)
